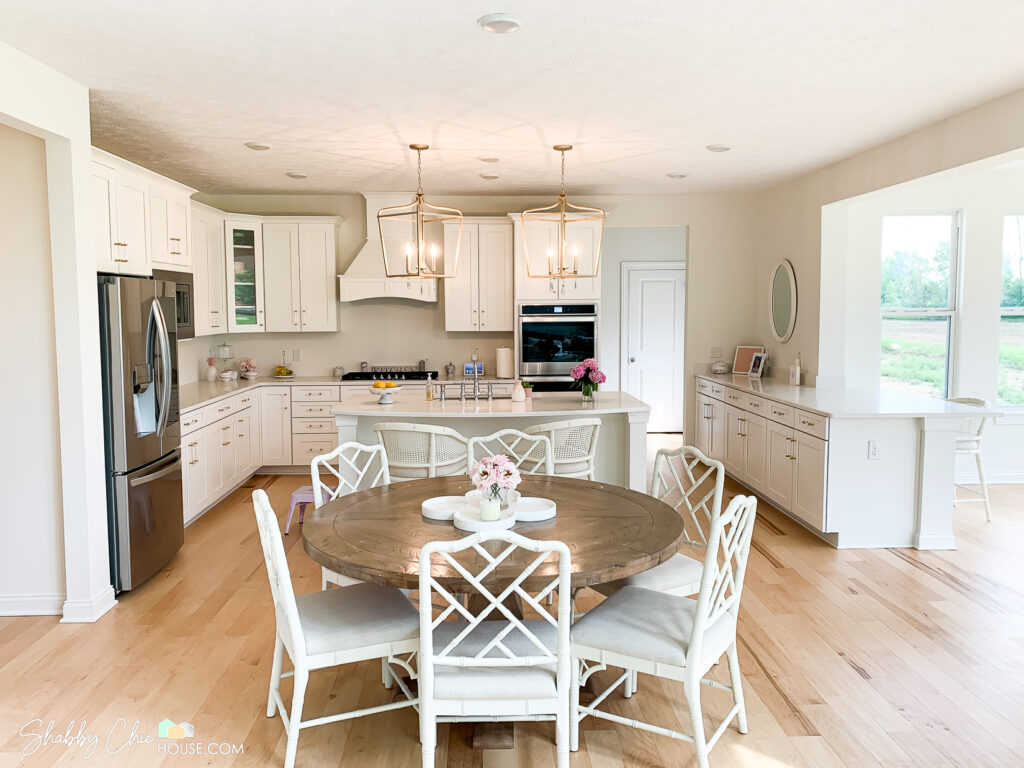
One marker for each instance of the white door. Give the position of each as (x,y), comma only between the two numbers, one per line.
(461,298)
(276,425)
(779,484)
(132,214)
(494,257)
(281,276)
(735,442)
(809,481)
(317,267)
(653,303)
(756,429)
(104,227)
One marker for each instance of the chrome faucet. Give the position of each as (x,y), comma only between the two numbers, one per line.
(476,374)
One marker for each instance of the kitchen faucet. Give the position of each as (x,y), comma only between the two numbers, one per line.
(476,374)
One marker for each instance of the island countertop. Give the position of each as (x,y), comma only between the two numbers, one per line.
(568,404)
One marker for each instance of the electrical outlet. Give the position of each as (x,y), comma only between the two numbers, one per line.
(296,354)
(874,450)
(716,352)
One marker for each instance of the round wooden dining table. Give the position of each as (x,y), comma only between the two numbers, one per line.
(375,535)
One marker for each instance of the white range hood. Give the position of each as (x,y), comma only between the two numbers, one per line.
(365,278)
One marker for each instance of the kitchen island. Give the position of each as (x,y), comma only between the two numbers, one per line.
(622,445)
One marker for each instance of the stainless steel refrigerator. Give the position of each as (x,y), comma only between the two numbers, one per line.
(143,433)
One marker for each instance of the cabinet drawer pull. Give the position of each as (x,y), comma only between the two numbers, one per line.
(194,461)
(227,443)
(227,427)
(239,435)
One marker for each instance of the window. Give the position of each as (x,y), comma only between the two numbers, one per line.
(1010,390)
(919,294)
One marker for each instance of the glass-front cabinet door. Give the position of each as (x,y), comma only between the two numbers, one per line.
(244,247)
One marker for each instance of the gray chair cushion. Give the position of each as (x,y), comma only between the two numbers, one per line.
(651,625)
(486,683)
(679,575)
(356,617)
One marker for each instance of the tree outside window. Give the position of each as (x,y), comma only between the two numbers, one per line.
(1010,389)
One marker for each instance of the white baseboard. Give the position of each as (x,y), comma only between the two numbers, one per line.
(87,611)
(992,478)
(30,605)
(934,541)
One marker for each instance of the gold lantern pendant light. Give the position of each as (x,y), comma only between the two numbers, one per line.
(561,240)
(412,235)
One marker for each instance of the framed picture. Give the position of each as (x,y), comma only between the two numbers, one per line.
(744,358)
(757,364)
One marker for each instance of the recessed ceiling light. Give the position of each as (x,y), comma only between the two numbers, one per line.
(486,159)
(718,148)
(676,175)
(293,175)
(256,145)
(500,23)
(488,176)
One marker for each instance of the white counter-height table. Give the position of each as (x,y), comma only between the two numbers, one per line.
(622,445)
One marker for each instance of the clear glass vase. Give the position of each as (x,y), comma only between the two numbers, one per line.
(588,391)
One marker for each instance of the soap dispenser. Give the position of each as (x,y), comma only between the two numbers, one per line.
(794,372)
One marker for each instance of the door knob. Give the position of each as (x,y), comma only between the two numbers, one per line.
(632,359)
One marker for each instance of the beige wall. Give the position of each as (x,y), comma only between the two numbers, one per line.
(715,239)
(31,533)
(788,223)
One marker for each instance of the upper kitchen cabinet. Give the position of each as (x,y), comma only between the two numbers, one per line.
(480,296)
(244,274)
(124,212)
(168,226)
(207,250)
(583,242)
(298,273)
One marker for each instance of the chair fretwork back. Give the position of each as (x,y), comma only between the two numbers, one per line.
(530,453)
(691,483)
(285,608)
(477,572)
(725,564)
(358,467)
(971,426)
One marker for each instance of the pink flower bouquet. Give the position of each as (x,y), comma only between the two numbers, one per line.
(494,474)
(587,376)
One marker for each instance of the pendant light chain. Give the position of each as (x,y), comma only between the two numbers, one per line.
(563,173)
(419,171)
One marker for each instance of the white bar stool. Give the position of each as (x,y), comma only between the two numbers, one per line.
(968,443)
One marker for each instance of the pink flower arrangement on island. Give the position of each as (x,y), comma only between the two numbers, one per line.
(587,376)
(494,474)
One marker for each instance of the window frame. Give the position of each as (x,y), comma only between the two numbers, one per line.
(1006,312)
(955,289)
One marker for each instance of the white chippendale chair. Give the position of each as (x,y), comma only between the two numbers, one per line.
(359,467)
(691,483)
(328,629)
(530,453)
(488,664)
(673,637)
(574,445)
(421,450)
(968,443)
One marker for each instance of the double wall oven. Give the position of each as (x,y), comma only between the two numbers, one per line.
(551,339)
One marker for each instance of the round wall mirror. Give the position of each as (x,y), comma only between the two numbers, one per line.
(782,301)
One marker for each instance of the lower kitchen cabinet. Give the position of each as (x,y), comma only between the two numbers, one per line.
(711,427)
(809,479)
(779,483)
(745,445)
(218,457)
(276,425)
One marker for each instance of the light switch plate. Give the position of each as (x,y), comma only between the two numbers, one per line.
(874,450)
(716,352)
(296,354)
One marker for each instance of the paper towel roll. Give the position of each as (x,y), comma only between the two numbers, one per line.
(503,370)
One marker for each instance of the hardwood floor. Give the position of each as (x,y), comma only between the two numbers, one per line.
(850,658)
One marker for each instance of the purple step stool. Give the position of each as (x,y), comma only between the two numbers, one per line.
(300,498)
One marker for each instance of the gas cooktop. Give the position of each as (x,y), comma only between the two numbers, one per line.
(393,374)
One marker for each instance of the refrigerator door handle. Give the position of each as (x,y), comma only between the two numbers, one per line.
(165,370)
(174,466)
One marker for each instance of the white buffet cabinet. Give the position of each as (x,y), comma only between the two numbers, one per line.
(860,467)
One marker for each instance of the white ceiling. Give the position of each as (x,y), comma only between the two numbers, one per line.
(338,88)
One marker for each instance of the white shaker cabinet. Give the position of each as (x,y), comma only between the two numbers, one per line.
(168,227)
(480,296)
(711,427)
(779,484)
(121,220)
(281,275)
(809,479)
(276,425)
(299,262)
(755,440)
(207,231)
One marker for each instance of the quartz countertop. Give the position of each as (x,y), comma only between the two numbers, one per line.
(542,403)
(198,393)
(850,402)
